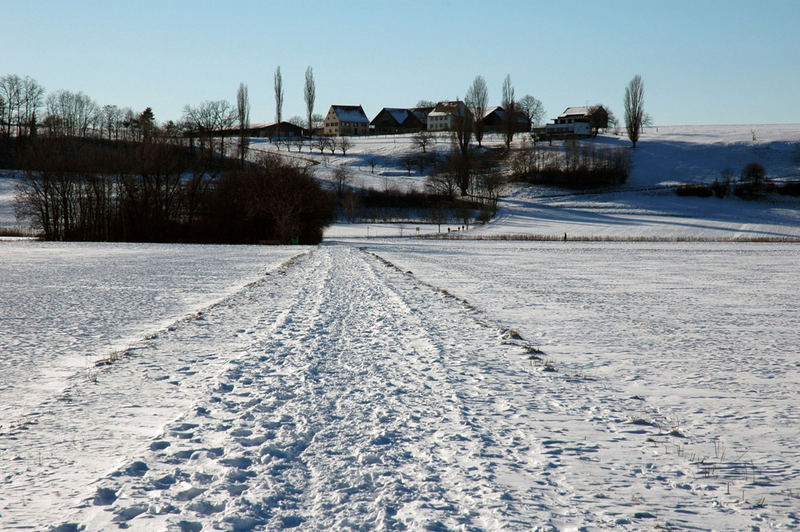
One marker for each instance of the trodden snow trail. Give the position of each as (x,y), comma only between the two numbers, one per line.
(363,399)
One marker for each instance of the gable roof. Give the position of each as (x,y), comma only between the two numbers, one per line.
(263,125)
(499,111)
(397,114)
(422,113)
(350,113)
(575,111)
(447,108)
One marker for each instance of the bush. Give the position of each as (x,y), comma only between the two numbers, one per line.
(394,205)
(721,189)
(580,167)
(790,188)
(700,191)
(754,173)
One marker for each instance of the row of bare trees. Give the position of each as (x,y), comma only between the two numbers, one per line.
(20,99)
(25,112)
(78,189)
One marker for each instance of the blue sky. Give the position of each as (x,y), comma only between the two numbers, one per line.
(702,61)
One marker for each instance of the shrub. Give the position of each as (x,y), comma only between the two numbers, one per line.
(754,173)
(720,189)
(579,167)
(790,188)
(745,190)
(700,191)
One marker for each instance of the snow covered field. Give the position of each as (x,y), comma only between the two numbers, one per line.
(340,391)
(64,306)
(380,382)
(705,334)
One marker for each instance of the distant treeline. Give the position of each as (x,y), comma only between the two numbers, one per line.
(156,191)
(753,183)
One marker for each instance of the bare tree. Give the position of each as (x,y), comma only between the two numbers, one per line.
(460,152)
(491,185)
(243,116)
(477,99)
(70,114)
(532,109)
(2,114)
(510,111)
(425,103)
(11,92)
(647,121)
(31,96)
(422,140)
(278,99)
(321,143)
(634,108)
(408,161)
(208,119)
(129,123)
(112,120)
(341,177)
(345,144)
(443,182)
(309,94)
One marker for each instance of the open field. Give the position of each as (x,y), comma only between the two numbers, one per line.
(379,381)
(340,389)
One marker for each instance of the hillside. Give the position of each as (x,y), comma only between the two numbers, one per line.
(645,207)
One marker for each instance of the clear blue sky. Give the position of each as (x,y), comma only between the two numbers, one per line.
(702,61)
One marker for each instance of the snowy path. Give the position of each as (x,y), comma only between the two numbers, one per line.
(341,393)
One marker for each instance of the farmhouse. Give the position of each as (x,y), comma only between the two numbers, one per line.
(269,130)
(346,120)
(445,115)
(573,122)
(494,120)
(287,130)
(396,120)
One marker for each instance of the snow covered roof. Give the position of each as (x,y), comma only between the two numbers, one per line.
(496,109)
(422,113)
(575,111)
(350,113)
(399,115)
(262,125)
(446,108)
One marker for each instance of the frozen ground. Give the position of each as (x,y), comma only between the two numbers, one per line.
(64,306)
(707,334)
(344,391)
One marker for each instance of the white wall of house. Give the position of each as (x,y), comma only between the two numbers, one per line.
(440,122)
